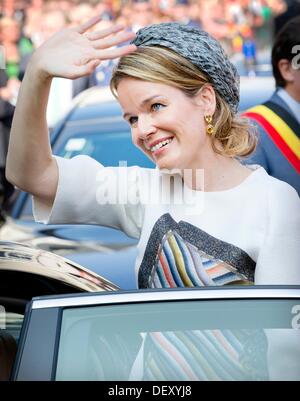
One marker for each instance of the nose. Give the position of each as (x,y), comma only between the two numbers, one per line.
(145,127)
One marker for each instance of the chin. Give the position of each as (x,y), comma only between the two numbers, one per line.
(168,165)
(148,154)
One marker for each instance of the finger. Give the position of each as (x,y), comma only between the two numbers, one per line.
(86,69)
(114,40)
(104,32)
(88,24)
(115,53)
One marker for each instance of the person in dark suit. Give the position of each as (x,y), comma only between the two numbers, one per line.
(293,9)
(6,115)
(278,120)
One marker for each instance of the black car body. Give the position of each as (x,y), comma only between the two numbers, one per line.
(27,272)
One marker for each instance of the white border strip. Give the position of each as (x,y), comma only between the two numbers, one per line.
(168,295)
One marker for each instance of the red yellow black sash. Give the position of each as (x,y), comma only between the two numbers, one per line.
(282,128)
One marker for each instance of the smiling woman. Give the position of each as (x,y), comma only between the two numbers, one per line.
(164,71)
(201,217)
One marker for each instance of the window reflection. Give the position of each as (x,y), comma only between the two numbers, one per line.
(180,341)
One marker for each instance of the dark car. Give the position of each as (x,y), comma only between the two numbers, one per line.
(27,272)
(94,126)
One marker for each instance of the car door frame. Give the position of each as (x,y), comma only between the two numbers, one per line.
(37,354)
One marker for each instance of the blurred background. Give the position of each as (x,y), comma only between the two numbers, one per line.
(245,27)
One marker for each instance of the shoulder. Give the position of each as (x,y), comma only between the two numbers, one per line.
(280,191)
(276,193)
(283,204)
(276,98)
(281,101)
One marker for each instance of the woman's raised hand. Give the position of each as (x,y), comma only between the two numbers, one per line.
(75,52)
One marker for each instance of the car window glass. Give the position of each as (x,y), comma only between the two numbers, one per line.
(188,340)
(10,328)
(108,148)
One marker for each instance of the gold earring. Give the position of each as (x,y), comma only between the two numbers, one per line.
(210,128)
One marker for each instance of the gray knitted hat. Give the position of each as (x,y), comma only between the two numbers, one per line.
(200,49)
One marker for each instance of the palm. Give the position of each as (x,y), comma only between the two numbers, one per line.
(72,53)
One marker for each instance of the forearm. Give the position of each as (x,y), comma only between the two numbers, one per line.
(29,154)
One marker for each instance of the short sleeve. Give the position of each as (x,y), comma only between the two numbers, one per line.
(89,193)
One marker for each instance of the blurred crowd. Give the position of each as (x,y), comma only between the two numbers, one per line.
(242,27)
(230,21)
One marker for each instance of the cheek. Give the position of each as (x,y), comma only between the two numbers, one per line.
(137,141)
(139,144)
(196,130)
(134,138)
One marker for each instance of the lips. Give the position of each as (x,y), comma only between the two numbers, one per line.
(159,143)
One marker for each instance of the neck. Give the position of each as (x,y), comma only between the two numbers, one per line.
(216,173)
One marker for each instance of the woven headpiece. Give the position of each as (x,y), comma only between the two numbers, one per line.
(200,49)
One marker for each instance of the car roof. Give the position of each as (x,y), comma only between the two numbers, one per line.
(97,103)
(255,90)
(17,257)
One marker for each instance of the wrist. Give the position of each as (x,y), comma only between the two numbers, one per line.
(35,68)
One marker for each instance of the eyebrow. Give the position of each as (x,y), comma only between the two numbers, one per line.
(142,104)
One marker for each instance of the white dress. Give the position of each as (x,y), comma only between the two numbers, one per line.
(248,233)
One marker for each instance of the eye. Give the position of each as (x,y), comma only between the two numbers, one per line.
(156,106)
(132,120)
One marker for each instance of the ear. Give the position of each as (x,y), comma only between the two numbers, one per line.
(285,68)
(206,98)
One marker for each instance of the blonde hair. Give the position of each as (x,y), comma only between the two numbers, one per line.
(162,65)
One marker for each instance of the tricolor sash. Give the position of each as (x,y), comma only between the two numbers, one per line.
(282,128)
